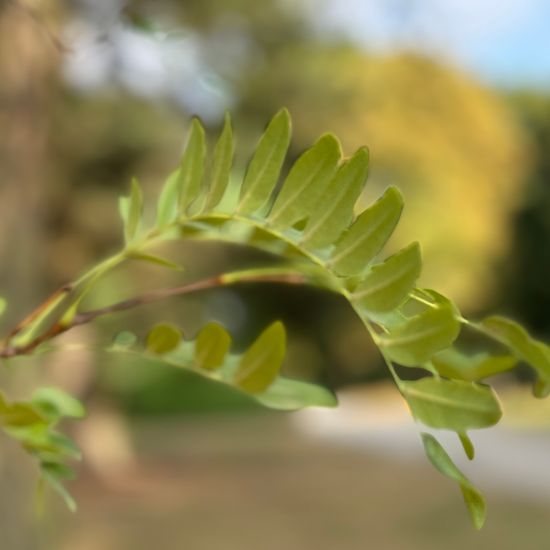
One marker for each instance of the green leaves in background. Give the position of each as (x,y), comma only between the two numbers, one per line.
(265,166)
(414,342)
(452,404)
(3,305)
(32,424)
(472,497)
(523,346)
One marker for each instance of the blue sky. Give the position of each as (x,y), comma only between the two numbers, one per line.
(505,42)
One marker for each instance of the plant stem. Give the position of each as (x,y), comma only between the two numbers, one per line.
(276,275)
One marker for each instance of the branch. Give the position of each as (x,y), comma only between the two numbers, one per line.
(252,276)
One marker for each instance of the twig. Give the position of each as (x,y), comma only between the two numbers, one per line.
(154,296)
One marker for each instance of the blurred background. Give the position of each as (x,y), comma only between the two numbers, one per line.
(452,98)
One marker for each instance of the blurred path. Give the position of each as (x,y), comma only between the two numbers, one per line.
(255,482)
(511,461)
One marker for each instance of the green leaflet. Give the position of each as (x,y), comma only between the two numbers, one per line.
(153,259)
(20,414)
(334,210)
(3,305)
(130,209)
(305,183)
(191,168)
(265,166)
(221,167)
(416,341)
(367,235)
(257,367)
(532,351)
(452,404)
(183,185)
(472,497)
(163,338)
(31,423)
(40,440)
(167,206)
(452,363)
(211,346)
(467,445)
(54,474)
(260,365)
(290,395)
(386,285)
(56,404)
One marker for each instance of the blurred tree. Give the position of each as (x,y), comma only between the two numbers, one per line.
(450,144)
(526,293)
(29,57)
